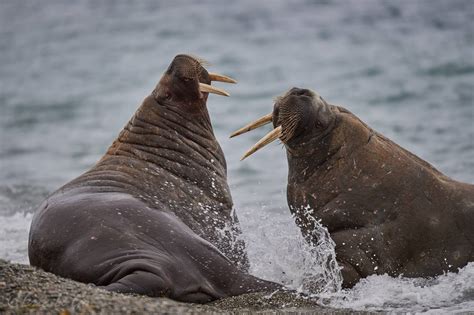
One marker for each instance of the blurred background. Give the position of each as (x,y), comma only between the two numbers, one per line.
(73,73)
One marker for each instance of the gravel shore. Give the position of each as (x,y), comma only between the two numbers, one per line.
(25,289)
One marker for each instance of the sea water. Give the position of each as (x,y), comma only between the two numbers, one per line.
(73,73)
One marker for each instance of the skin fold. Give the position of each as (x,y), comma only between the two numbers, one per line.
(387,210)
(154,216)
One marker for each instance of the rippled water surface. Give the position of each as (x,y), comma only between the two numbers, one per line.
(72,74)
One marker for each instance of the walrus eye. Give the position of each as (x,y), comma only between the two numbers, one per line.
(185,79)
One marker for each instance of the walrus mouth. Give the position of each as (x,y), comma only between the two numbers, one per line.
(267,139)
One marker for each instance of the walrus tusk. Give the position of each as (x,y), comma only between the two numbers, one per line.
(253,125)
(268,138)
(203,87)
(220,77)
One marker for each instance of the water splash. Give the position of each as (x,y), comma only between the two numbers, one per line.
(231,235)
(451,291)
(329,277)
(278,252)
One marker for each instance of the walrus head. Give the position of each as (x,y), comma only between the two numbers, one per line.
(299,116)
(187,81)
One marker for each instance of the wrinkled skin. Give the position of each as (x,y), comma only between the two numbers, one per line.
(387,210)
(154,216)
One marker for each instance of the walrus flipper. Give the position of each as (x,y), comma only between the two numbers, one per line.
(150,284)
(139,282)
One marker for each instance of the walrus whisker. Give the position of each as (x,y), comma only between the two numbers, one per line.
(290,125)
(267,139)
(253,125)
(203,87)
(220,77)
(201,61)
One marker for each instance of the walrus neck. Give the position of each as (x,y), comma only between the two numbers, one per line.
(160,141)
(302,164)
(194,116)
(172,130)
(312,152)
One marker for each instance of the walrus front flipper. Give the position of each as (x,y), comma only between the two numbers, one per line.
(139,282)
(147,283)
(350,275)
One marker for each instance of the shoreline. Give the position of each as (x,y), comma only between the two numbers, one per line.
(26,289)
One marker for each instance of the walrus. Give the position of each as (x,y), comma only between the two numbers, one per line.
(154,216)
(387,210)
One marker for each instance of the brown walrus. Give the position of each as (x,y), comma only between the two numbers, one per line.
(154,216)
(387,210)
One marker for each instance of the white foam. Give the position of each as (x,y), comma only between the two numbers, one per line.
(451,291)
(14,237)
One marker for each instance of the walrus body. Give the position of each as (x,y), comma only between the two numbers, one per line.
(154,216)
(387,210)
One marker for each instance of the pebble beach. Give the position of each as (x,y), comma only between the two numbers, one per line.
(25,289)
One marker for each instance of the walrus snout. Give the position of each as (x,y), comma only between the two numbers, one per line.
(187,80)
(300,92)
(295,112)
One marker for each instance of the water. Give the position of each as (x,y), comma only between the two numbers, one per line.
(72,74)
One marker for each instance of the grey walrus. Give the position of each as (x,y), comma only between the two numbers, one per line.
(154,216)
(387,210)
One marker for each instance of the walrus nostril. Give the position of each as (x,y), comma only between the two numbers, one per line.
(304,92)
(299,92)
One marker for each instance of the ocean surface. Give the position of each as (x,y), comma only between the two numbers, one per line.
(73,73)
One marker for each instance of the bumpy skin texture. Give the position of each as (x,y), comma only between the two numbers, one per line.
(387,210)
(154,216)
